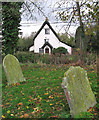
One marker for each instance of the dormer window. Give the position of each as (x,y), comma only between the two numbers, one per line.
(47,31)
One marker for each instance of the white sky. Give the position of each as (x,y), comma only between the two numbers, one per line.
(35,25)
(27,29)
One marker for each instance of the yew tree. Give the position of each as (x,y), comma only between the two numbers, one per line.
(11,17)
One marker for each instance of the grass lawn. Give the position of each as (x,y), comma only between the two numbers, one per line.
(41,96)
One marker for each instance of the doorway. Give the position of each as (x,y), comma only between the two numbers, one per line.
(47,50)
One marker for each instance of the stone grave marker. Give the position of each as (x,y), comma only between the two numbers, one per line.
(77,90)
(12,69)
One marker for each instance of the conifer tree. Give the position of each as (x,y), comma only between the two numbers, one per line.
(11,17)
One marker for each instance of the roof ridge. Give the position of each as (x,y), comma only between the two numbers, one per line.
(47,22)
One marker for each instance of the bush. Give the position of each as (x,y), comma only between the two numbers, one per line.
(25,43)
(24,57)
(31,57)
(90,58)
(60,50)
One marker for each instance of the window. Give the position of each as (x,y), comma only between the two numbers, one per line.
(47,31)
(46,40)
(21,33)
(41,50)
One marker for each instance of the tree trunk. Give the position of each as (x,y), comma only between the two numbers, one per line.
(78,8)
(97,49)
(82,36)
(80,21)
(0,32)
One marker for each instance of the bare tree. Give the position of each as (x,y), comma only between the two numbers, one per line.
(30,8)
(84,12)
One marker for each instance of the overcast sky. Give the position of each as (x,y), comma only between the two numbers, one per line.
(48,7)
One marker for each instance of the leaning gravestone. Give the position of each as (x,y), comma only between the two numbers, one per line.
(12,69)
(77,90)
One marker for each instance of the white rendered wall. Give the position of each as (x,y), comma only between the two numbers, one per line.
(31,48)
(53,40)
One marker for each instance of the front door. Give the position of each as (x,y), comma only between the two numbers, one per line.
(47,50)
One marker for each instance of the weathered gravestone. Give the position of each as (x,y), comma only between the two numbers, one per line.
(12,69)
(77,90)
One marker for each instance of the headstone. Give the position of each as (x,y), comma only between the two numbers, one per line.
(77,90)
(12,69)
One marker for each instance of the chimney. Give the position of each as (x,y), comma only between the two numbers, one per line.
(46,18)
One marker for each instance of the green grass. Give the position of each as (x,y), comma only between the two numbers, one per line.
(41,96)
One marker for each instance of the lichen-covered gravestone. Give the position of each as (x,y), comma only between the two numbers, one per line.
(77,90)
(12,69)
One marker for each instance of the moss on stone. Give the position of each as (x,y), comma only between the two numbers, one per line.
(78,87)
(12,69)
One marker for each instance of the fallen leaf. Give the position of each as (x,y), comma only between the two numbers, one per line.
(3,116)
(11,114)
(7,103)
(20,103)
(13,84)
(51,104)
(90,109)
(27,107)
(54,116)
(30,96)
(21,116)
(51,97)
(45,93)
(8,111)
(95,113)
(11,95)
(47,100)
(40,98)
(26,115)
(17,83)
(36,109)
